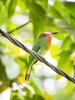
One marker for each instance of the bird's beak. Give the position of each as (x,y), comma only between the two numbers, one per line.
(54,33)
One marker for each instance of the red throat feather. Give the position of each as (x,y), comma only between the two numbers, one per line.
(49,37)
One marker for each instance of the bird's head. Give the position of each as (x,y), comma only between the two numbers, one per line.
(49,35)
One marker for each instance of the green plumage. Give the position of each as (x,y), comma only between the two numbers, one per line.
(41,47)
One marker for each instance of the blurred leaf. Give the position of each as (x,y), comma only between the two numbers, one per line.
(37,97)
(37,26)
(16,95)
(55,13)
(28,92)
(9,45)
(2,44)
(23,59)
(58,77)
(62,10)
(64,56)
(62,35)
(67,92)
(66,67)
(71,7)
(3,75)
(3,87)
(4,1)
(72,21)
(54,51)
(66,43)
(23,63)
(44,3)
(72,46)
(47,96)
(72,58)
(37,82)
(27,3)
(22,4)
(11,8)
(11,25)
(29,40)
(16,51)
(50,24)
(41,23)
(36,10)
(46,25)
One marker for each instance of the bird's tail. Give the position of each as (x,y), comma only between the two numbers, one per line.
(28,73)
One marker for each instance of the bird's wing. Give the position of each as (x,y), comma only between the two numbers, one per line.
(36,48)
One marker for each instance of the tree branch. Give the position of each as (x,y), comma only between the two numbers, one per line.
(37,56)
(19,27)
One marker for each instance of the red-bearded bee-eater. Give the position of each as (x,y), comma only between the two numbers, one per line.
(41,46)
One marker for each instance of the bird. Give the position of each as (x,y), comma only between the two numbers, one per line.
(41,46)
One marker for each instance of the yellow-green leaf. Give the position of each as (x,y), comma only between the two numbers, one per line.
(54,50)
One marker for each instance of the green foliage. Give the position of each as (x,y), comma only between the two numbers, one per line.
(13,61)
(3,75)
(4,1)
(11,8)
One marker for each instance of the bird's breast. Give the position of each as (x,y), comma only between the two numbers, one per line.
(49,44)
